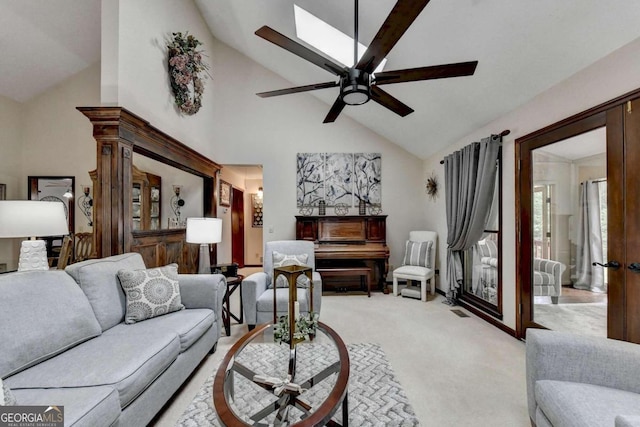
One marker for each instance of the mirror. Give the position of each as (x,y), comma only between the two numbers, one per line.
(155,204)
(60,189)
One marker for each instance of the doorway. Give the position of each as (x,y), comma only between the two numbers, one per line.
(237,227)
(242,218)
(577,215)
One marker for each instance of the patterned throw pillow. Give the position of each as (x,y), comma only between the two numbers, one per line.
(151,292)
(417,253)
(280,260)
(6,397)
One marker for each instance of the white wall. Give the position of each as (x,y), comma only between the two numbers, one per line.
(47,136)
(10,174)
(57,138)
(614,75)
(234,126)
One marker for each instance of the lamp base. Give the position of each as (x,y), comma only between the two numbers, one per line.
(204,266)
(33,256)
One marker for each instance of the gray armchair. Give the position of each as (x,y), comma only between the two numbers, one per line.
(575,380)
(257,298)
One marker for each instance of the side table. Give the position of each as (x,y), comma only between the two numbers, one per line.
(233,283)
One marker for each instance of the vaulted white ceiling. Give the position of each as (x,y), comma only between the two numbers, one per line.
(523,47)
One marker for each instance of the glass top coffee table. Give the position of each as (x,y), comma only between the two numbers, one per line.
(253,385)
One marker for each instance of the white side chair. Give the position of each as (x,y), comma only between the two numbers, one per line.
(419,271)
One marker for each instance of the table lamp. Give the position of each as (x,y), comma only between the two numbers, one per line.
(204,231)
(30,218)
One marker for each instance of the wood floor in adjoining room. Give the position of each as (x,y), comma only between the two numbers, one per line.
(455,371)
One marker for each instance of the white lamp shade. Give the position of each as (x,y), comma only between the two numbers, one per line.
(204,230)
(30,218)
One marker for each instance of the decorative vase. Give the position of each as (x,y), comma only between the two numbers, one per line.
(322,207)
(362,208)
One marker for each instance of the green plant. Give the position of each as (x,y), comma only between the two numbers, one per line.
(185,68)
(305,328)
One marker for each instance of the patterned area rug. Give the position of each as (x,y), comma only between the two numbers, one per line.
(376,398)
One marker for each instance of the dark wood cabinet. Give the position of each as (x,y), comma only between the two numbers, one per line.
(145,209)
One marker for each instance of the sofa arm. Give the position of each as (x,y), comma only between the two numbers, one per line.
(252,287)
(627,421)
(561,356)
(203,291)
(555,268)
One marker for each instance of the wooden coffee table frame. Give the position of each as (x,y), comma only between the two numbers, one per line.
(320,417)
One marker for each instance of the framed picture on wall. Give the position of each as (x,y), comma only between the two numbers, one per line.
(225,193)
(3,191)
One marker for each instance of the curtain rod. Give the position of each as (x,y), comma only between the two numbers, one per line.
(501,134)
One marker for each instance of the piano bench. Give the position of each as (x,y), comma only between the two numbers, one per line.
(362,272)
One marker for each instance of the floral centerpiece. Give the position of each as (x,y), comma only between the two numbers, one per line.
(185,72)
(305,328)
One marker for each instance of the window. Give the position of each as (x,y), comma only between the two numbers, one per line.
(327,39)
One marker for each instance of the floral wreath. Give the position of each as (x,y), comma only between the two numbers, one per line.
(185,67)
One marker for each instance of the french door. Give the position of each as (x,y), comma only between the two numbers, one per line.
(561,158)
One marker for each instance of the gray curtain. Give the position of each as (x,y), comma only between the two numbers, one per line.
(469,186)
(589,247)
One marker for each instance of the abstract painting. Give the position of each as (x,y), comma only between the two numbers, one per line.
(338,178)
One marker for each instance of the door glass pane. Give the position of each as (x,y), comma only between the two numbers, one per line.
(569,214)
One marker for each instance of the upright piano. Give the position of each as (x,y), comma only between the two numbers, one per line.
(348,240)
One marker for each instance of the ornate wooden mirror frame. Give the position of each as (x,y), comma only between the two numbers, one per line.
(119,133)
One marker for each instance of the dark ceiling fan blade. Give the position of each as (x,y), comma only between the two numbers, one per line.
(296,48)
(426,73)
(298,89)
(388,101)
(399,20)
(335,111)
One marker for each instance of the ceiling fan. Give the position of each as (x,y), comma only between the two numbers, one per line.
(358,84)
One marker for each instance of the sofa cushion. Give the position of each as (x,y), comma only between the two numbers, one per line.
(567,403)
(98,278)
(189,325)
(128,362)
(150,293)
(83,406)
(43,314)
(265,302)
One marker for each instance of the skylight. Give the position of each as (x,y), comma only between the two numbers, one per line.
(329,40)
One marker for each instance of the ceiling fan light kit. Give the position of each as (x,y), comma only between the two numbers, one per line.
(357,84)
(355,89)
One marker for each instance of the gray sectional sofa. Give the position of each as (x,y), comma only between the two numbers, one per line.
(581,381)
(64,342)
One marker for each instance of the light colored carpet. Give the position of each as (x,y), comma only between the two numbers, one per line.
(376,398)
(456,372)
(583,319)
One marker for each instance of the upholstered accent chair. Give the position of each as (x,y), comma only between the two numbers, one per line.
(547,278)
(257,293)
(417,265)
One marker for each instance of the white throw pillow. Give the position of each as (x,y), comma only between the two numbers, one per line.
(6,397)
(281,260)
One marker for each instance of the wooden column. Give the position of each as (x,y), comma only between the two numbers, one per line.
(119,133)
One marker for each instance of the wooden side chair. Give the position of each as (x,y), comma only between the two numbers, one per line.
(84,246)
(66,251)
